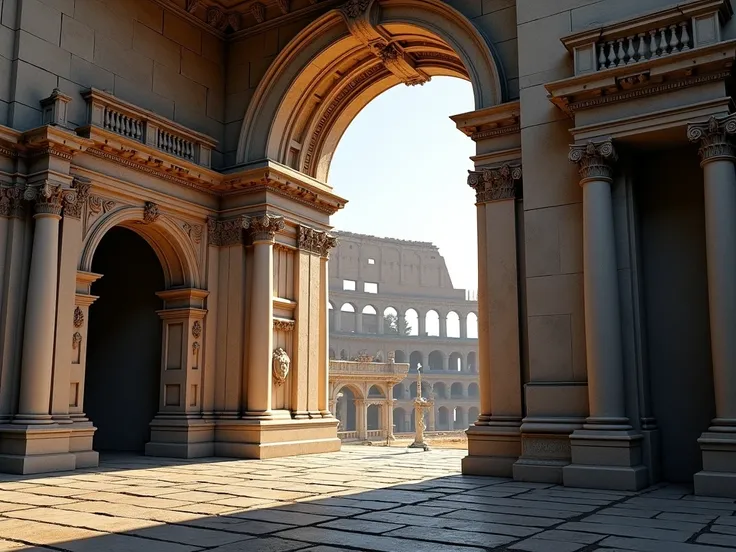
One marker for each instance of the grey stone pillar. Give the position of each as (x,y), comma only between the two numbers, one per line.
(606,453)
(718,444)
(38,336)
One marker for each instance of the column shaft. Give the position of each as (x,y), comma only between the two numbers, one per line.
(260,343)
(720,229)
(38,337)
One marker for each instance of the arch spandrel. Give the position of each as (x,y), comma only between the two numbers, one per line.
(338,64)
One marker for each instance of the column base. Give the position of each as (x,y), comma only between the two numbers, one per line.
(718,477)
(545,448)
(181,437)
(492,450)
(81,442)
(33,449)
(606,459)
(275,438)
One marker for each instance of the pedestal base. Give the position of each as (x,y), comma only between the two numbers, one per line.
(33,449)
(492,451)
(718,477)
(275,438)
(606,459)
(80,445)
(181,437)
(543,455)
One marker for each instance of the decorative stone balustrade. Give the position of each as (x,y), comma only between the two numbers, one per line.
(360,369)
(111,114)
(657,35)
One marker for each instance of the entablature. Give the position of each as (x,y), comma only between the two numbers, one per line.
(660,52)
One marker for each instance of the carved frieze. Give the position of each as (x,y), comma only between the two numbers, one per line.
(315,241)
(150,212)
(714,137)
(265,227)
(283,325)
(223,233)
(281,363)
(496,184)
(594,159)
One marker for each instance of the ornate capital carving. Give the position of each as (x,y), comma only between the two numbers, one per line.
(315,241)
(258,11)
(75,201)
(265,227)
(595,160)
(714,137)
(496,184)
(5,202)
(150,212)
(223,233)
(47,197)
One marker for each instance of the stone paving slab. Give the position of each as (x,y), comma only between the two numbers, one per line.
(362,498)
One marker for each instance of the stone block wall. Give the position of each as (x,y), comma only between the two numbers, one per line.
(131,48)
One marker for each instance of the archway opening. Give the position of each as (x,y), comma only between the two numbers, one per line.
(453,324)
(401,424)
(346,410)
(443,419)
(411,323)
(436,361)
(415,359)
(348,318)
(399,356)
(473,391)
(374,417)
(456,390)
(460,419)
(123,370)
(456,362)
(440,390)
(369,319)
(432,323)
(472,321)
(472,365)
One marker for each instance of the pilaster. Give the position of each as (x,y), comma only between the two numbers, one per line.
(494,442)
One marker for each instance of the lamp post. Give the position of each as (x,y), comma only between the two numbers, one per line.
(420,405)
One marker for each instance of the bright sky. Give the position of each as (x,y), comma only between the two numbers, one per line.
(403,166)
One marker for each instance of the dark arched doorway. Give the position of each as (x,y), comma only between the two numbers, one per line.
(122,379)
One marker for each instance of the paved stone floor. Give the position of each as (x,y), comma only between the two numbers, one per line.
(362,498)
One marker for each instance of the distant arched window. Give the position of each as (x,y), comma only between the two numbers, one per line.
(453,324)
(411,319)
(432,323)
(472,321)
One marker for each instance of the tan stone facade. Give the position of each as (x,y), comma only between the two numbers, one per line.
(192,140)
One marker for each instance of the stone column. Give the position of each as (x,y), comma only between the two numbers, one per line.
(358,321)
(606,453)
(38,336)
(432,418)
(421,321)
(379,316)
(260,329)
(390,413)
(718,444)
(494,440)
(464,327)
(443,324)
(361,419)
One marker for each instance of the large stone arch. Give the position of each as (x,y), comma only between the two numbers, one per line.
(343,60)
(171,245)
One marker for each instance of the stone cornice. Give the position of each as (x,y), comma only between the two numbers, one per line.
(644,78)
(595,160)
(492,122)
(714,137)
(495,184)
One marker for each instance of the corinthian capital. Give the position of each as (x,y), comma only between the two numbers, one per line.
(315,241)
(48,198)
(713,136)
(595,160)
(495,184)
(264,227)
(223,233)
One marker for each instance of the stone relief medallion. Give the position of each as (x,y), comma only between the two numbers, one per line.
(281,362)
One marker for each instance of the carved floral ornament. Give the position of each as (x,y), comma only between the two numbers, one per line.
(495,184)
(78,317)
(281,363)
(197,329)
(283,325)
(224,233)
(315,241)
(714,137)
(595,160)
(150,212)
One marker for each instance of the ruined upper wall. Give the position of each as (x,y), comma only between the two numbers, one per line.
(132,48)
(397,266)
